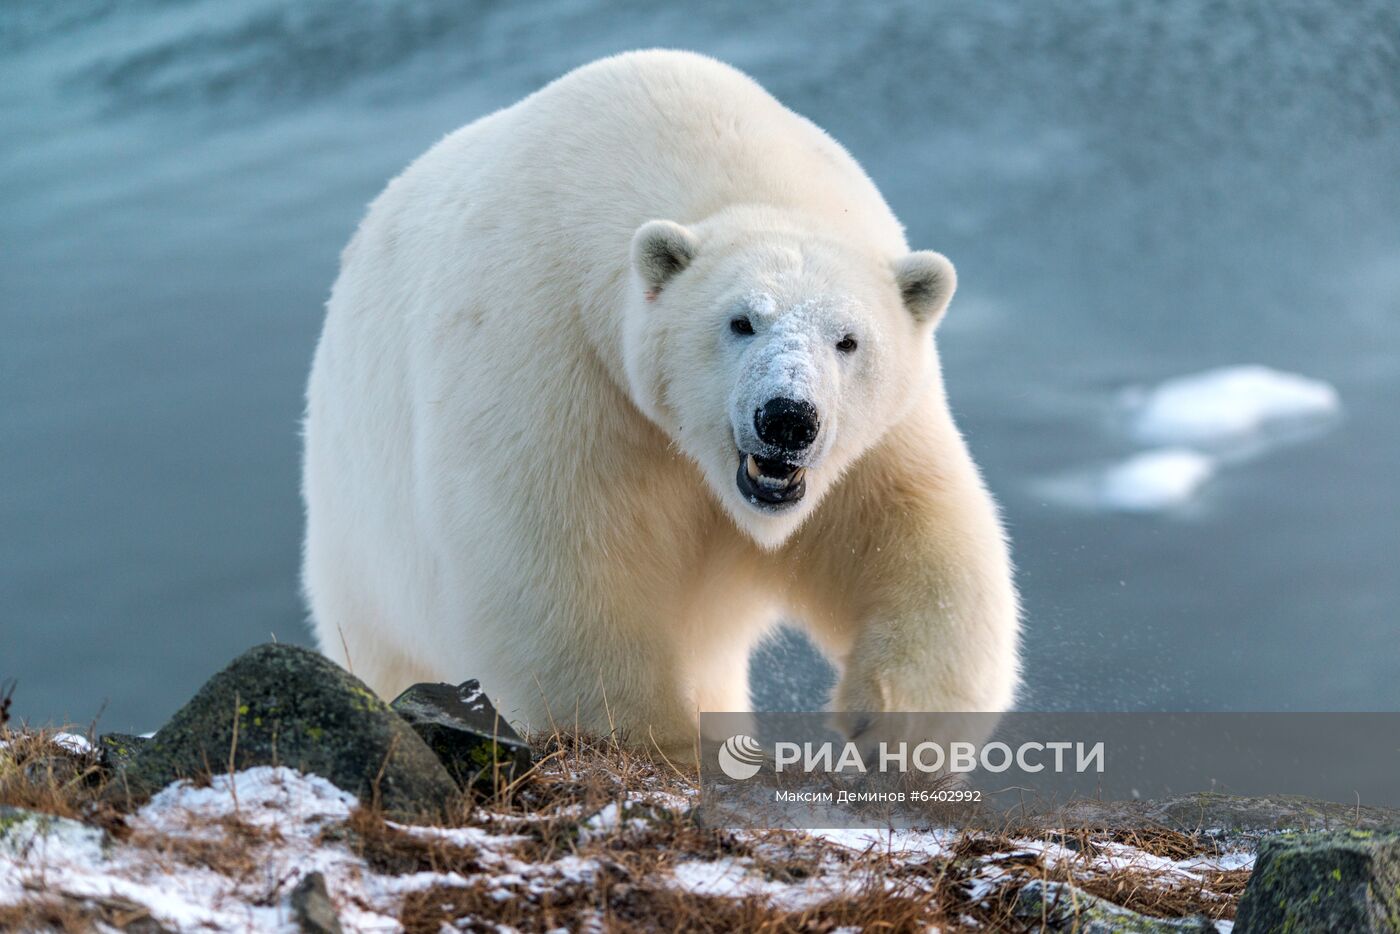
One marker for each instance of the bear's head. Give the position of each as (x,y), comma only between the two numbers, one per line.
(774,358)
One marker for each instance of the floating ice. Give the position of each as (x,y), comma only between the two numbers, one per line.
(1193,426)
(1227,404)
(1155,480)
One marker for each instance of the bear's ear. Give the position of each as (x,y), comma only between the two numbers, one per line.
(660,249)
(926,281)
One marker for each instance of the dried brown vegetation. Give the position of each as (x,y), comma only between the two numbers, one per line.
(57,912)
(594,836)
(38,774)
(392,850)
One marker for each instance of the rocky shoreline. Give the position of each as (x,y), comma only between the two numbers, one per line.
(287,796)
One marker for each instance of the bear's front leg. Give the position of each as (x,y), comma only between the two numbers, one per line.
(938,644)
(903,667)
(909,588)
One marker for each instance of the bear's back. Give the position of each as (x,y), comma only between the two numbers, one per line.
(682,136)
(590,157)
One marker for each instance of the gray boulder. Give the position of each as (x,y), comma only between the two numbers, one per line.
(116,750)
(1230,819)
(1340,880)
(284,705)
(460,725)
(312,907)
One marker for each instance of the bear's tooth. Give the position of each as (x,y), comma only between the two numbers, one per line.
(798,475)
(751,466)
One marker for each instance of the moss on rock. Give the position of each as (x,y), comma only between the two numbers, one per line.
(1058,906)
(285,705)
(1341,880)
(476,745)
(116,750)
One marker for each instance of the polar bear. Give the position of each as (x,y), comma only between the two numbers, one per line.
(615,379)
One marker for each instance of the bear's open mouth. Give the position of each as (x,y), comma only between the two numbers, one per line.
(770,484)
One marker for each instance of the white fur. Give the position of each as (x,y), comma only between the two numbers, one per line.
(521,445)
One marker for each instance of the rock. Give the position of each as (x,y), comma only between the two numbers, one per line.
(1230,818)
(61,770)
(143,923)
(463,729)
(1341,880)
(311,904)
(116,750)
(1269,812)
(1058,906)
(284,705)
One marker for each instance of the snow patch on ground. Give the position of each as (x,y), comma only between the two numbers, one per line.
(734,878)
(68,858)
(925,842)
(289,825)
(264,797)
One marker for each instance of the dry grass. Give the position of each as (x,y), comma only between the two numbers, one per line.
(547,823)
(38,774)
(231,853)
(1141,891)
(615,903)
(50,911)
(631,890)
(48,914)
(608,900)
(391,850)
(1164,842)
(1128,883)
(73,915)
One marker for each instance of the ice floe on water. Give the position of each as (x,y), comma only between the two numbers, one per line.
(1155,480)
(1228,404)
(1194,426)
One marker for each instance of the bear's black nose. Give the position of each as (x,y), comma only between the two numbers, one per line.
(787,424)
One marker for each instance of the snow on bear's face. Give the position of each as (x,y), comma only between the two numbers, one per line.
(774,360)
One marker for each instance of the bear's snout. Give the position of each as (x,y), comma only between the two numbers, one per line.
(789,425)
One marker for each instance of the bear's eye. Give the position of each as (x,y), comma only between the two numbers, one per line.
(742,326)
(846,344)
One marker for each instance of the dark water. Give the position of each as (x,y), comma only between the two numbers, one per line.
(1130,191)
